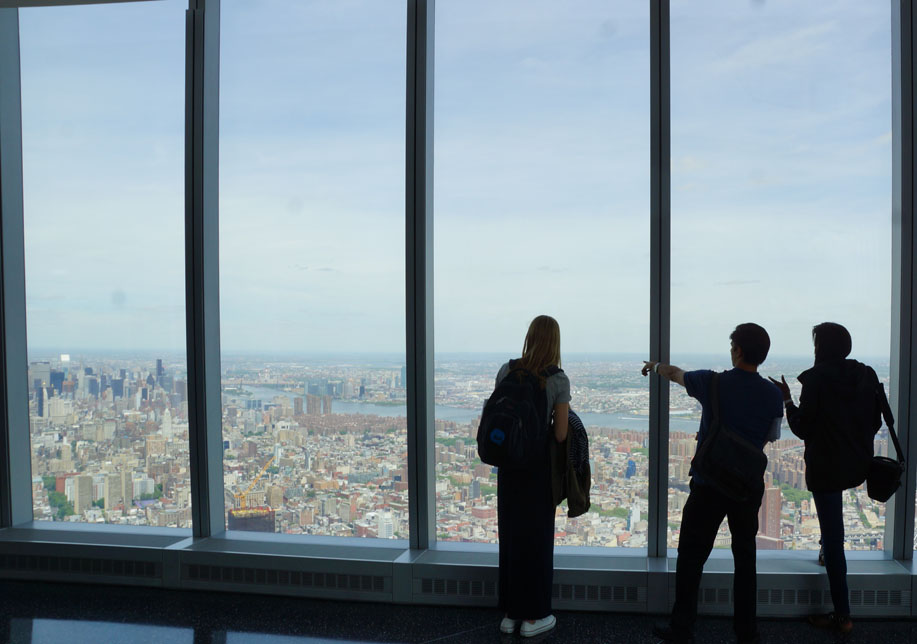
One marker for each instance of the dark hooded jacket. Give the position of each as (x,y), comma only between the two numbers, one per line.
(837,417)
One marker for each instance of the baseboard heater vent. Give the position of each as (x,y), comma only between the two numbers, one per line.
(82,566)
(458,587)
(283,578)
(880,598)
(596,593)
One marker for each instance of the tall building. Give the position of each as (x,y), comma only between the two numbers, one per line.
(326,405)
(297,406)
(57,381)
(385,525)
(313,405)
(275,497)
(113,490)
(82,493)
(40,373)
(769,513)
(166,430)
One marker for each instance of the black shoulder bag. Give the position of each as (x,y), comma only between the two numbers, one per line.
(727,461)
(884,476)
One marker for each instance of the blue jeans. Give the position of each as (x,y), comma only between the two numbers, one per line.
(831,521)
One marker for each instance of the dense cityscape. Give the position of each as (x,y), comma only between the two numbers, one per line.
(318,447)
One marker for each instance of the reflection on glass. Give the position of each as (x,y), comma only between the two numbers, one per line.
(103,135)
(47,631)
(781,175)
(542,195)
(312,267)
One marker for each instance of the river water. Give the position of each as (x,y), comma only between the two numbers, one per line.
(465,415)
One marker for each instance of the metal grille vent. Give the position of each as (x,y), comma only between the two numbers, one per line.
(789,597)
(714,595)
(81,566)
(871,598)
(294,578)
(594,593)
(458,587)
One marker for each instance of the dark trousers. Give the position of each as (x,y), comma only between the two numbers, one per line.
(831,521)
(525,521)
(701,518)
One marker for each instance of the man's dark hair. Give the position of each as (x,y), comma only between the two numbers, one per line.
(753,340)
(832,341)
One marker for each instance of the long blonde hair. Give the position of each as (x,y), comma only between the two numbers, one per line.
(542,346)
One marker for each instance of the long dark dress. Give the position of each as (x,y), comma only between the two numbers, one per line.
(526,525)
(525,522)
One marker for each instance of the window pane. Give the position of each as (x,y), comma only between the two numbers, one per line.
(103,157)
(312,266)
(781,215)
(542,207)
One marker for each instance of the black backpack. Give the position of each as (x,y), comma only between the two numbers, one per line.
(514,424)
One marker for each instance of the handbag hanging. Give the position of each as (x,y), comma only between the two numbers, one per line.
(884,476)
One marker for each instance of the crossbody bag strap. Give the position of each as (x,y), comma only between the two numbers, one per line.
(714,399)
(889,420)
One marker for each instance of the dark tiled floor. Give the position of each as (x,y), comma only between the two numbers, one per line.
(39,613)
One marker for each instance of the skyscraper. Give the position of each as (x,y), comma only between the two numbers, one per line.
(769,514)
(166,425)
(82,494)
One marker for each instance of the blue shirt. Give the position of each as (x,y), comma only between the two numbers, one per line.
(749,404)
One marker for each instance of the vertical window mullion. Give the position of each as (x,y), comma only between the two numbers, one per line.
(15,467)
(202,266)
(419,270)
(660,261)
(899,527)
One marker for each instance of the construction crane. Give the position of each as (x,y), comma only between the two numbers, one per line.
(241,495)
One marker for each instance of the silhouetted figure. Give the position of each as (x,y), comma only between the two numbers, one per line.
(751,407)
(525,505)
(839,447)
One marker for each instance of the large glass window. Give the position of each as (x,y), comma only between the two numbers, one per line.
(103,155)
(781,215)
(542,207)
(312,279)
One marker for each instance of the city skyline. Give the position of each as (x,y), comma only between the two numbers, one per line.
(321,449)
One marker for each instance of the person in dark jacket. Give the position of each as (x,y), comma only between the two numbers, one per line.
(836,419)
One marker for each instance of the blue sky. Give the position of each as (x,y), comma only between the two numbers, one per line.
(781,173)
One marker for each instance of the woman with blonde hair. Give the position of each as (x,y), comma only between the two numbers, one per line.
(525,505)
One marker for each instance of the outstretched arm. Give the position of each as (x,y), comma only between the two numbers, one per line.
(667,371)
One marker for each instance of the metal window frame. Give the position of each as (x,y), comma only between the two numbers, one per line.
(15,441)
(202,275)
(899,532)
(660,276)
(419,272)
(202,269)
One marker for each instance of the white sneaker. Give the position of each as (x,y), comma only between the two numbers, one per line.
(508,625)
(539,626)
